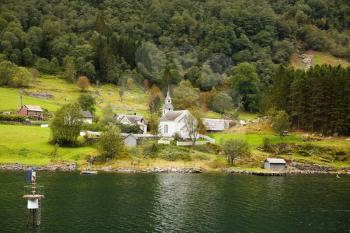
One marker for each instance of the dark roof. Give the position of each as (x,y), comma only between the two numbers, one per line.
(86,114)
(132,118)
(170,116)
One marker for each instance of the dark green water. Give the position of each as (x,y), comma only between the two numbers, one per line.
(180,203)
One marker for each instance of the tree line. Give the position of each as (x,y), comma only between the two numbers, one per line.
(167,41)
(317,100)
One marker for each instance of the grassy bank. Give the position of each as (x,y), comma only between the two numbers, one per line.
(29,145)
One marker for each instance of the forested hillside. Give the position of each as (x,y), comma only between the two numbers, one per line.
(199,40)
(231,50)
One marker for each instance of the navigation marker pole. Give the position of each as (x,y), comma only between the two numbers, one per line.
(33,195)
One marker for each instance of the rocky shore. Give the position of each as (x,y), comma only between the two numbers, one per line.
(153,170)
(292,169)
(65,167)
(71,167)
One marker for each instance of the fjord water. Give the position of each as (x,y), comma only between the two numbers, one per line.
(180,203)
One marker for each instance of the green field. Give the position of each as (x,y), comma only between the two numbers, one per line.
(64,92)
(255,139)
(319,58)
(29,145)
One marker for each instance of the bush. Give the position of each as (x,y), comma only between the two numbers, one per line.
(152,150)
(172,153)
(266,146)
(16,118)
(209,148)
(130,128)
(111,144)
(236,148)
(7,69)
(66,125)
(93,127)
(20,78)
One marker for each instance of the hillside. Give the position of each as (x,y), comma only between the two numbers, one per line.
(318,58)
(62,92)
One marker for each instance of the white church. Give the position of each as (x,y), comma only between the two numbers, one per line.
(174,122)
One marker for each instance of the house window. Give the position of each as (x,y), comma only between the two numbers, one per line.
(165,128)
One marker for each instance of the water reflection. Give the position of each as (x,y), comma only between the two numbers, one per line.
(180,203)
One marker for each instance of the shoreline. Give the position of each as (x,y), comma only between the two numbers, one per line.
(72,167)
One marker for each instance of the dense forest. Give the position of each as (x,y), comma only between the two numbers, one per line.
(233,48)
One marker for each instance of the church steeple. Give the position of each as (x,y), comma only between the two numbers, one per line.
(168,107)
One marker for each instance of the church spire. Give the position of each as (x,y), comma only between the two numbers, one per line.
(168,107)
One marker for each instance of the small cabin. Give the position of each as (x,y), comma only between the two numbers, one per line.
(275,164)
(216,125)
(87,117)
(130,140)
(32,111)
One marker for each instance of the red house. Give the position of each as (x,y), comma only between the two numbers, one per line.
(32,111)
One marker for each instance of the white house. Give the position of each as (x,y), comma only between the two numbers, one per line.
(87,117)
(180,122)
(132,120)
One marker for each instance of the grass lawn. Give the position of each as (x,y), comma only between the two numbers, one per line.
(29,145)
(255,139)
(319,58)
(135,100)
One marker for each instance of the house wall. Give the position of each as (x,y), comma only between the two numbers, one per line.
(171,128)
(35,114)
(175,127)
(274,166)
(130,141)
(23,111)
(87,120)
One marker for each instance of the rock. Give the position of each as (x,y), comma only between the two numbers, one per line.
(55,167)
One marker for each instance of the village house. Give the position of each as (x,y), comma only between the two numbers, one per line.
(275,164)
(174,122)
(87,117)
(32,111)
(214,125)
(132,120)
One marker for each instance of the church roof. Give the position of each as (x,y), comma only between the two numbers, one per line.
(172,115)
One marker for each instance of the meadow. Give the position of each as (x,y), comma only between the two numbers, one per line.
(318,58)
(30,145)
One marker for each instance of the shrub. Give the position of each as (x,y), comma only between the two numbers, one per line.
(93,127)
(235,148)
(20,78)
(130,128)
(111,144)
(266,146)
(16,118)
(172,153)
(209,148)
(151,151)
(66,125)
(83,83)
(7,69)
